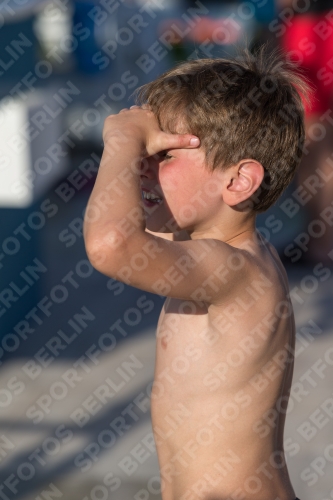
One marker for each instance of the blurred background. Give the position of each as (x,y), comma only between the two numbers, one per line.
(76,348)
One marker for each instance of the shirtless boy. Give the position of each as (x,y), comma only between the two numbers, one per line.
(182,177)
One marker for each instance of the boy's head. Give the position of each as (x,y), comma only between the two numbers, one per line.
(248,107)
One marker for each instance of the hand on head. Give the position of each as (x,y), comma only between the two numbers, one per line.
(139,123)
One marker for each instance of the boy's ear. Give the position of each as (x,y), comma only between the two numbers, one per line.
(244,179)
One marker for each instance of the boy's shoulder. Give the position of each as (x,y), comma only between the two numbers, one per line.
(257,304)
(216,272)
(242,300)
(255,272)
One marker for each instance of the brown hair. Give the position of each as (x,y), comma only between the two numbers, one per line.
(247,107)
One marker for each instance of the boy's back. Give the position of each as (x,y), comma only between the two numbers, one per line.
(214,143)
(222,379)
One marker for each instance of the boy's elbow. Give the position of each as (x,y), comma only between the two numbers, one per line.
(95,252)
(105,252)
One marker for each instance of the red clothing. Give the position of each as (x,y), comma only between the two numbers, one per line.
(308,40)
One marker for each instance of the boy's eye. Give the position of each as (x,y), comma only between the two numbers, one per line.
(165,155)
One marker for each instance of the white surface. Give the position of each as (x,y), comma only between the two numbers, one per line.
(21,179)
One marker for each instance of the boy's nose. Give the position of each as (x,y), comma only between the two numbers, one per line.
(148,168)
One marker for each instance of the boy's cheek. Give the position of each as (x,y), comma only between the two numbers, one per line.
(170,186)
(168,182)
(175,174)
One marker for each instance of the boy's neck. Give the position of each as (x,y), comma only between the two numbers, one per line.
(232,230)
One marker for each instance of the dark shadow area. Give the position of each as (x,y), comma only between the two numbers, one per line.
(101,436)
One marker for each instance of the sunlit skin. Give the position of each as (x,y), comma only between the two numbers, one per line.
(168,175)
(225,336)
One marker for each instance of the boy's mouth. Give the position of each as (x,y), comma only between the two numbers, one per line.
(150,199)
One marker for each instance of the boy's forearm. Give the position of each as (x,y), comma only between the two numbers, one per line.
(116,193)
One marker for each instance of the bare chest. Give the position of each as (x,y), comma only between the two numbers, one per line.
(192,338)
(181,352)
(180,322)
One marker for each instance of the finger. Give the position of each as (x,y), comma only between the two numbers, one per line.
(122,110)
(177,141)
(135,107)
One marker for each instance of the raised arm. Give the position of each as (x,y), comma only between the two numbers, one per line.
(114,227)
